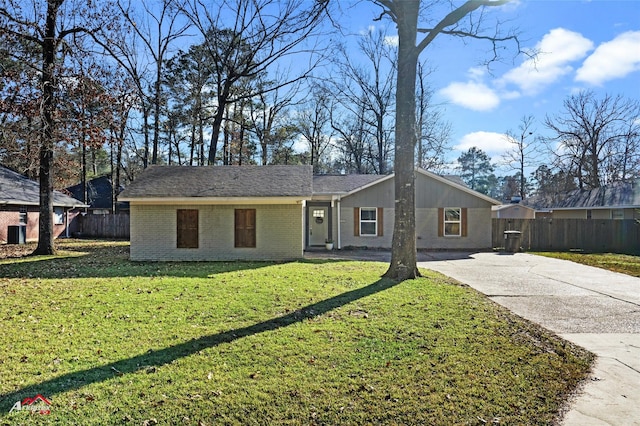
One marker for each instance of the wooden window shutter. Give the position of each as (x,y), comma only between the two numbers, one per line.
(245,228)
(356,221)
(441,222)
(187,228)
(380,222)
(463,220)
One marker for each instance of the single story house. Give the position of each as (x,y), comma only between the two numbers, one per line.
(276,212)
(618,201)
(512,211)
(19,206)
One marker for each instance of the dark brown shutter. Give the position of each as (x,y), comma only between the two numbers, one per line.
(356,221)
(440,222)
(380,222)
(463,220)
(187,228)
(245,228)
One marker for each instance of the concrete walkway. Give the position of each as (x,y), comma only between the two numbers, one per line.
(596,309)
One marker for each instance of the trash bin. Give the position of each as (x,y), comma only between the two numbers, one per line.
(16,234)
(512,241)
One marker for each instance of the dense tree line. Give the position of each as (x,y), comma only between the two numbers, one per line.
(87,91)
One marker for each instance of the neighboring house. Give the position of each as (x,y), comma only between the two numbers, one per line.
(275,212)
(512,211)
(617,201)
(359,212)
(218,213)
(98,197)
(19,206)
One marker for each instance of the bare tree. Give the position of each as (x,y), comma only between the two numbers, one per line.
(523,150)
(245,39)
(267,112)
(47,26)
(313,122)
(366,90)
(405,14)
(353,141)
(156,30)
(433,133)
(598,139)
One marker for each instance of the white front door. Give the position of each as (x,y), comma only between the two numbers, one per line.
(318,225)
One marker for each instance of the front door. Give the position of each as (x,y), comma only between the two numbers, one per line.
(318,225)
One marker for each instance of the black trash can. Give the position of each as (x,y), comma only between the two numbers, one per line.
(512,241)
(16,234)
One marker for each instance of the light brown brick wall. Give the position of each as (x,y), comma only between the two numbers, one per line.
(278,233)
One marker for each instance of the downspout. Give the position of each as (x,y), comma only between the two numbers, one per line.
(304,225)
(66,223)
(339,239)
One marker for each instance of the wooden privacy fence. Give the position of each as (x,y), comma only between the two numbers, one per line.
(591,235)
(104,226)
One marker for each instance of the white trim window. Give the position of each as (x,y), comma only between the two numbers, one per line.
(23,215)
(58,216)
(452,222)
(368,221)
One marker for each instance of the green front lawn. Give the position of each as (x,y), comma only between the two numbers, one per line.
(623,263)
(109,341)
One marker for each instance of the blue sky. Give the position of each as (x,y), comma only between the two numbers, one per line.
(592,45)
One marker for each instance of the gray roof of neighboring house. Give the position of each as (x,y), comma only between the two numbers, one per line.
(221,182)
(618,195)
(16,189)
(336,184)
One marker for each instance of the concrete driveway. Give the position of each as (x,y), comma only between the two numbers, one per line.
(596,309)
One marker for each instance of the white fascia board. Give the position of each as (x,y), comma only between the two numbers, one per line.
(215,200)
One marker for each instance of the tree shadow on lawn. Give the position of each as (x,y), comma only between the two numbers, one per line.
(102,260)
(79,379)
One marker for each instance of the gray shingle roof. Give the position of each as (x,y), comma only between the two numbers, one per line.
(16,189)
(220,181)
(621,194)
(336,184)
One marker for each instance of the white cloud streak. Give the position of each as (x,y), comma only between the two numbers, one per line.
(472,95)
(490,142)
(611,60)
(557,49)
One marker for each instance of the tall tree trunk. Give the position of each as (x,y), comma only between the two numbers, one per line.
(404,258)
(45,228)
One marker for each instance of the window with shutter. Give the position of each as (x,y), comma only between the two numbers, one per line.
(368,221)
(187,228)
(245,228)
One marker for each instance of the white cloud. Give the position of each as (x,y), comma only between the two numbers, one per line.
(611,60)
(473,95)
(493,144)
(391,40)
(557,49)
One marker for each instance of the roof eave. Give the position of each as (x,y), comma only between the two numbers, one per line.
(217,200)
